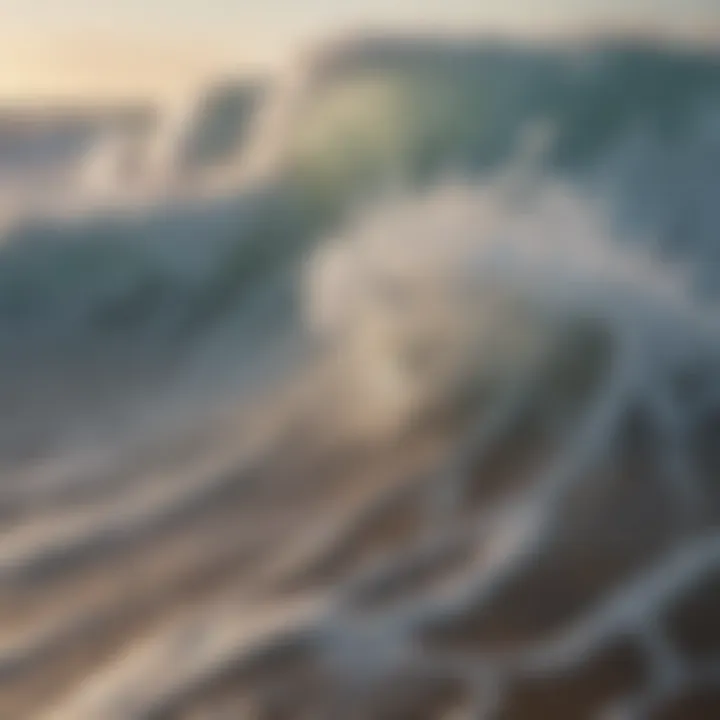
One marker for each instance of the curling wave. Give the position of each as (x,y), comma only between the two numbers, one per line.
(471,470)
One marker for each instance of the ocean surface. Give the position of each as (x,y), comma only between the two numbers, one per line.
(387,389)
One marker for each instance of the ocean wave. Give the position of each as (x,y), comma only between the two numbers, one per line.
(536,495)
(358,121)
(433,428)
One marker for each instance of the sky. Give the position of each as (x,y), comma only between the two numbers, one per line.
(124,48)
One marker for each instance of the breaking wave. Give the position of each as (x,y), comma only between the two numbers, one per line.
(414,415)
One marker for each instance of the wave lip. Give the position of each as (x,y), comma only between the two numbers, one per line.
(467,285)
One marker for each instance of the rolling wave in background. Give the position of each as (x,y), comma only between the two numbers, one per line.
(386,389)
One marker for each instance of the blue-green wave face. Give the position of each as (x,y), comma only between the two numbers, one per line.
(378,116)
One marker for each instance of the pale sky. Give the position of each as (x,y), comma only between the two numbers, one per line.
(141,47)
